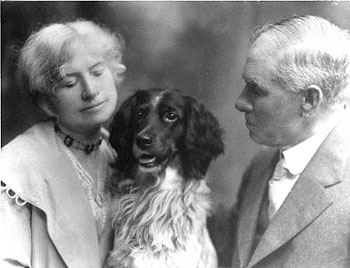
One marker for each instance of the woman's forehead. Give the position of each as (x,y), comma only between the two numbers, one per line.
(82,44)
(81,57)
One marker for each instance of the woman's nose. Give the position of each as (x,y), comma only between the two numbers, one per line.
(90,90)
(243,104)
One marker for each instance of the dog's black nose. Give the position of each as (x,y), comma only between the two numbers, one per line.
(144,140)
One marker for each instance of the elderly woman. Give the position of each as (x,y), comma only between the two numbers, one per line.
(55,199)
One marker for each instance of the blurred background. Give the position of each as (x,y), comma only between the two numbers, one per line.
(199,47)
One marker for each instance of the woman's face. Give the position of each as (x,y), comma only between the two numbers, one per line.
(87,97)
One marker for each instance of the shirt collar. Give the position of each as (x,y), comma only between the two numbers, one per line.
(297,157)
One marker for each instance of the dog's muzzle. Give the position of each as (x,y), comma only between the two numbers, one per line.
(144,141)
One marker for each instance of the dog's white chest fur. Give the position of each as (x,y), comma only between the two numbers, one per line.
(164,227)
(192,256)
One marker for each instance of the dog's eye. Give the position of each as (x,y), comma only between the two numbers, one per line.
(170,117)
(140,114)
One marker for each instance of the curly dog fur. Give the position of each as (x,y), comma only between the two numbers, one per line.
(165,142)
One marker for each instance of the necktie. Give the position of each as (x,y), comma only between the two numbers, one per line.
(278,188)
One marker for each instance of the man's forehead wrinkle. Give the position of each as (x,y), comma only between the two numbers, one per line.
(260,67)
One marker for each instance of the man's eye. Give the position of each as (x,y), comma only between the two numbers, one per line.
(170,117)
(254,88)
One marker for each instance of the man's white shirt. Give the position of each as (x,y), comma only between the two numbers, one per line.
(295,159)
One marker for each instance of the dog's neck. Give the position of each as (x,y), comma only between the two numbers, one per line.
(171,178)
(161,218)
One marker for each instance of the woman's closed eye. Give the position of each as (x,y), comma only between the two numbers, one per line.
(70,83)
(98,70)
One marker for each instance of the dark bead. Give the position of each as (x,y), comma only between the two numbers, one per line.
(89,148)
(68,141)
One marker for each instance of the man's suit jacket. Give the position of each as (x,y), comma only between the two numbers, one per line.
(312,227)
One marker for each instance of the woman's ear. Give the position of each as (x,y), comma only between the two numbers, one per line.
(120,68)
(312,100)
(47,108)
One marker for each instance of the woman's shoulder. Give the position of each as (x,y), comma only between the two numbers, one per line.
(26,157)
(37,137)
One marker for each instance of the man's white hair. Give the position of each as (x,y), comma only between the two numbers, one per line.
(310,51)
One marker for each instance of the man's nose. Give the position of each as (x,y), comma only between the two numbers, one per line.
(242,103)
(90,90)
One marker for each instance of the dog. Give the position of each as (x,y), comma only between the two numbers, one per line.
(165,142)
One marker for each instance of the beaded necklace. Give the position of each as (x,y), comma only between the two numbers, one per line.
(69,141)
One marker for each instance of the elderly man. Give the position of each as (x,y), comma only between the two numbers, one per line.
(294,203)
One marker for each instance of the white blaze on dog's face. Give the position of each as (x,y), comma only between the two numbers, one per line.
(156,100)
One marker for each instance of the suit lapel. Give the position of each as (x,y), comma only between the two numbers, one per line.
(308,198)
(299,210)
(251,209)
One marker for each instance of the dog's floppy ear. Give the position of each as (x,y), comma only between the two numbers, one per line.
(121,133)
(202,140)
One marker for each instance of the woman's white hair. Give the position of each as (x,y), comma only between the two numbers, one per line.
(45,51)
(310,50)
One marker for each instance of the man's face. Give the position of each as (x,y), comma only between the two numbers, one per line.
(273,114)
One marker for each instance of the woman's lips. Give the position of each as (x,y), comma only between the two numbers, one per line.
(92,107)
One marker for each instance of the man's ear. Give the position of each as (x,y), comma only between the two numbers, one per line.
(313,97)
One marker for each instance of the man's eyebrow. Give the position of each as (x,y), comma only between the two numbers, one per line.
(245,78)
(249,79)
(254,82)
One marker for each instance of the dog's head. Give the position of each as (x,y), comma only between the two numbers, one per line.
(154,126)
